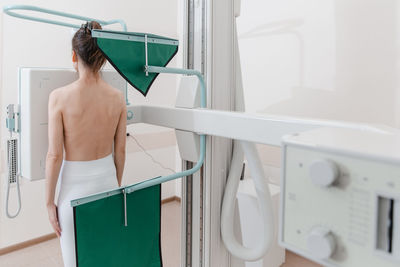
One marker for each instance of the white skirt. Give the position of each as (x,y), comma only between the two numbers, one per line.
(80,179)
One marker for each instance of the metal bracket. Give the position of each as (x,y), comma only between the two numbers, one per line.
(129,190)
(11,119)
(9,10)
(129,115)
(146,67)
(125,210)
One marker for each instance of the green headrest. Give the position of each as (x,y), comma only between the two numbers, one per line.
(126,52)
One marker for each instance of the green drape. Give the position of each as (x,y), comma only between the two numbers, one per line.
(128,56)
(101,239)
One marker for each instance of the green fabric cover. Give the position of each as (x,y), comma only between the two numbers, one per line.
(128,58)
(101,238)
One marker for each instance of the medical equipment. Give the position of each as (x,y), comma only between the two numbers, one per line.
(131,222)
(9,10)
(260,129)
(120,48)
(12,161)
(248,223)
(241,148)
(341,198)
(171,116)
(116,46)
(117,43)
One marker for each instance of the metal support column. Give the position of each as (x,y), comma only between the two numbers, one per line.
(220,74)
(209,48)
(187,183)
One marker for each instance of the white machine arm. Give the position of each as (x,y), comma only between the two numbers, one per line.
(234,125)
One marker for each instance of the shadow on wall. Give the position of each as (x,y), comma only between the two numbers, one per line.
(347,61)
(285,27)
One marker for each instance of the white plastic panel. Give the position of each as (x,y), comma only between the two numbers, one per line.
(348,208)
(189,145)
(250,226)
(35,85)
(188,93)
(188,97)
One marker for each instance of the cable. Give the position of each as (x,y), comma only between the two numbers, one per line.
(12,175)
(12,216)
(241,149)
(149,155)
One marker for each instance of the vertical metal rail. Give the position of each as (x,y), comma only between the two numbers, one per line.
(199,182)
(188,215)
(202,172)
(187,185)
(190,35)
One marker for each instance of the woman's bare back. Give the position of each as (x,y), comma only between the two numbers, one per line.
(90,114)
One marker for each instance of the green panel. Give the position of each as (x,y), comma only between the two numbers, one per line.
(101,238)
(128,56)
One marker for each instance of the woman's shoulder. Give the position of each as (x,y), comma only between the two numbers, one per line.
(110,88)
(57,98)
(117,94)
(59,92)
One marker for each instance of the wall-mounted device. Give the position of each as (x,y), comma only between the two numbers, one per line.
(35,85)
(341,197)
(12,160)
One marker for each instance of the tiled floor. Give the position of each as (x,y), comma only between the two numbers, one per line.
(48,254)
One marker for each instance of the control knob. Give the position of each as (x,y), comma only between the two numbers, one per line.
(324,172)
(321,243)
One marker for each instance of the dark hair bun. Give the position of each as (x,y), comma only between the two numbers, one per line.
(86,48)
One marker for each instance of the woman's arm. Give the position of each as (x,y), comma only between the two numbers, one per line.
(120,143)
(54,157)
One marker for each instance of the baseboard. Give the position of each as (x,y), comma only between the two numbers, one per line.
(26,244)
(170,199)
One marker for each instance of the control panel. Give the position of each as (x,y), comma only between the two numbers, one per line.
(340,202)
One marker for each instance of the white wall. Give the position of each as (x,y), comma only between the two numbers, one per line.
(27,43)
(332,59)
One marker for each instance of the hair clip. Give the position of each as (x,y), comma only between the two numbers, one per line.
(87,27)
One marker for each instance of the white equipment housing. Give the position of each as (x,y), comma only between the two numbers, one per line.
(340,201)
(188,97)
(248,225)
(35,85)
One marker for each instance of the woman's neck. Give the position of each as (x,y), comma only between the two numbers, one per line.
(87,76)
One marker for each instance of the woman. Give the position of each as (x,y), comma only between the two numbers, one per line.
(88,119)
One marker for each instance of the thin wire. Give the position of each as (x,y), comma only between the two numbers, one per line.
(151,156)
